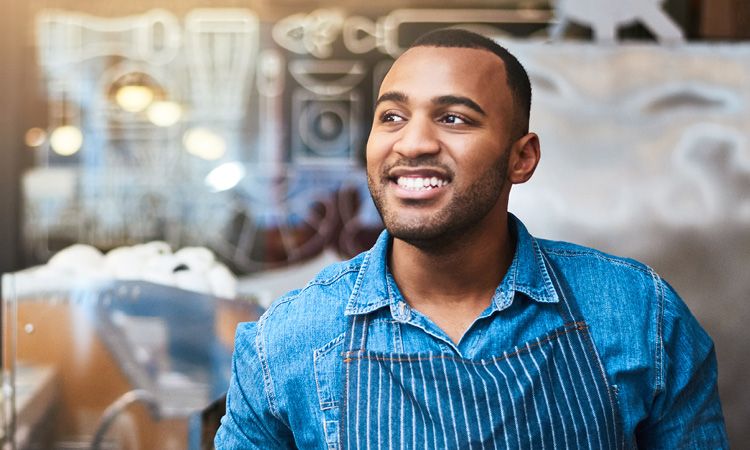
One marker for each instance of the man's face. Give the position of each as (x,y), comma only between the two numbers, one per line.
(437,155)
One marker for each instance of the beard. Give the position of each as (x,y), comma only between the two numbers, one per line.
(465,210)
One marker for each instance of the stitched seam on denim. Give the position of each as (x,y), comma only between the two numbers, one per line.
(316,355)
(332,279)
(619,424)
(281,301)
(398,343)
(659,354)
(386,320)
(230,411)
(548,284)
(267,380)
(612,259)
(333,443)
(350,356)
(343,410)
(477,339)
(360,276)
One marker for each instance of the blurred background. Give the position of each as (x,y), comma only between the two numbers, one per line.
(235,131)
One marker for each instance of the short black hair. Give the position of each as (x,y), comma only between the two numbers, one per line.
(518,79)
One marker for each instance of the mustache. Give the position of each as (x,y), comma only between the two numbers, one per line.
(427,161)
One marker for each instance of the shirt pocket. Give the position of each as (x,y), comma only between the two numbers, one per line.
(328,374)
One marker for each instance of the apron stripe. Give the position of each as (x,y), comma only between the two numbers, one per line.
(546,399)
(380,397)
(556,401)
(476,405)
(358,409)
(588,433)
(390,410)
(500,405)
(585,389)
(450,403)
(429,413)
(403,400)
(489,408)
(512,403)
(463,403)
(369,380)
(534,397)
(414,410)
(523,399)
(439,402)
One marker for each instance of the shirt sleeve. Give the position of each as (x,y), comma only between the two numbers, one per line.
(686,412)
(249,422)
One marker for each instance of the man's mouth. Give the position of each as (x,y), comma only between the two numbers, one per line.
(413,183)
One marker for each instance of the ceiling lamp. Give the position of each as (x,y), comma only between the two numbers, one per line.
(66,140)
(204,143)
(135,91)
(164,113)
(225,177)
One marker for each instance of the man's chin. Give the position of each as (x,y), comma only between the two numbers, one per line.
(422,235)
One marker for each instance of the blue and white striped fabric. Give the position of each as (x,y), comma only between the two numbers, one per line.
(550,393)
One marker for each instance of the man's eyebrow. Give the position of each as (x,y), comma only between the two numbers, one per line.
(392,96)
(458,100)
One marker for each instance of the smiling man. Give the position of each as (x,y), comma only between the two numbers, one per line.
(459,329)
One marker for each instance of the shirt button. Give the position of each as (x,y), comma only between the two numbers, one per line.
(403,313)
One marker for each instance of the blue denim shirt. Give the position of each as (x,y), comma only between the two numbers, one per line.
(287,384)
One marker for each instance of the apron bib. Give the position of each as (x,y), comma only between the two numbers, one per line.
(549,393)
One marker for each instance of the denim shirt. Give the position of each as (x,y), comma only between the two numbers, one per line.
(287,372)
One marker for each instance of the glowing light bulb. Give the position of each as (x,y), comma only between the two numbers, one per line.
(204,143)
(134,98)
(35,137)
(226,176)
(164,114)
(66,140)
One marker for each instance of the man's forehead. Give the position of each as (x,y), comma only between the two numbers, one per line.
(446,70)
(449,55)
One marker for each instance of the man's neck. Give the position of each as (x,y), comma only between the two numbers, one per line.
(454,282)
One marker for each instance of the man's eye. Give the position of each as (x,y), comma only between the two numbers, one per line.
(391,117)
(453,119)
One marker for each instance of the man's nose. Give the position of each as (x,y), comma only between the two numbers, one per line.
(418,137)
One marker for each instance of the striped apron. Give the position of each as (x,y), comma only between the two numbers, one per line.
(549,393)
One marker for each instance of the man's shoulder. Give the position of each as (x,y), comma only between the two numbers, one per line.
(568,253)
(314,313)
(598,277)
(331,287)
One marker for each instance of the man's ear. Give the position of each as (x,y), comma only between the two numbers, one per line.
(523,159)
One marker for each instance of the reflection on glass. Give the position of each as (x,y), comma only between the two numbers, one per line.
(164,113)
(112,364)
(134,98)
(66,140)
(204,143)
(225,177)
(35,137)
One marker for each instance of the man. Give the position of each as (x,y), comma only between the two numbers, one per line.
(458,329)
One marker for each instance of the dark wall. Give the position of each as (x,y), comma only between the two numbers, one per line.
(12,16)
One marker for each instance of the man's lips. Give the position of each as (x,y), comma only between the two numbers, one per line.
(413,183)
(419,183)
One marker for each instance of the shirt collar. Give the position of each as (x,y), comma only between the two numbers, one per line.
(527,274)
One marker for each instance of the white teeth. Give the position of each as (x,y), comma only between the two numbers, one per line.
(419,183)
